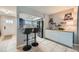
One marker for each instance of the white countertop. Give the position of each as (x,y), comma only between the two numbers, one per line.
(60,30)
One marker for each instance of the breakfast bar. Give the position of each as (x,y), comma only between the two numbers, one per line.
(63,37)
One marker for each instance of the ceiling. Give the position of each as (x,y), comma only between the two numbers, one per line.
(32,12)
(41,9)
(28,17)
(8,10)
(49,9)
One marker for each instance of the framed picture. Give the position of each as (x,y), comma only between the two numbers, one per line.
(68,16)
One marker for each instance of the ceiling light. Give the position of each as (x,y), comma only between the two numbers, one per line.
(6,11)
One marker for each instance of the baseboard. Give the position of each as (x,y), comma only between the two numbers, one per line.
(76,44)
(21,45)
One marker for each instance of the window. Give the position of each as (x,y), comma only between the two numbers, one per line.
(9,21)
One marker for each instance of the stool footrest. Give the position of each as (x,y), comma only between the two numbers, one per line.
(35,44)
(27,47)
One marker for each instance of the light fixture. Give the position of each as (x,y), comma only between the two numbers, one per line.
(9,21)
(29,17)
(6,11)
(37,18)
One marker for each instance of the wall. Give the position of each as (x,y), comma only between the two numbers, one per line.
(0,22)
(20,36)
(78,25)
(46,19)
(11,15)
(10,27)
(59,17)
(75,17)
(0,26)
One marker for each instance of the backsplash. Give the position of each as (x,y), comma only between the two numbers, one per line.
(64,20)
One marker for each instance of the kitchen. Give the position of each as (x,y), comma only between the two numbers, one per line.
(60,23)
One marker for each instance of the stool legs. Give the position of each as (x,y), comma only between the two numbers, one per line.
(34,43)
(27,47)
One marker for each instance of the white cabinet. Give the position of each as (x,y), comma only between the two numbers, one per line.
(63,37)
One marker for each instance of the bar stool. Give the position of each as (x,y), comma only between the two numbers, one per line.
(35,43)
(27,46)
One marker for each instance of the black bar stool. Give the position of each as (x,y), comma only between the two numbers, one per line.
(35,43)
(27,32)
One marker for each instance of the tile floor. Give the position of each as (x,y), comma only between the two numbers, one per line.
(48,46)
(8,45)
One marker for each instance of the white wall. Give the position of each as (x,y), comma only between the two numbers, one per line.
(10,27)
(46,20)
(78,26)
(58,17)
(0,23)
(8,13)
(20,36)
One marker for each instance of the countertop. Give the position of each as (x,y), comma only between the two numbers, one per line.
(60,30)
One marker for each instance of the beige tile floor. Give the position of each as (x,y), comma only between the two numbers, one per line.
(8,45)
(48,46)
